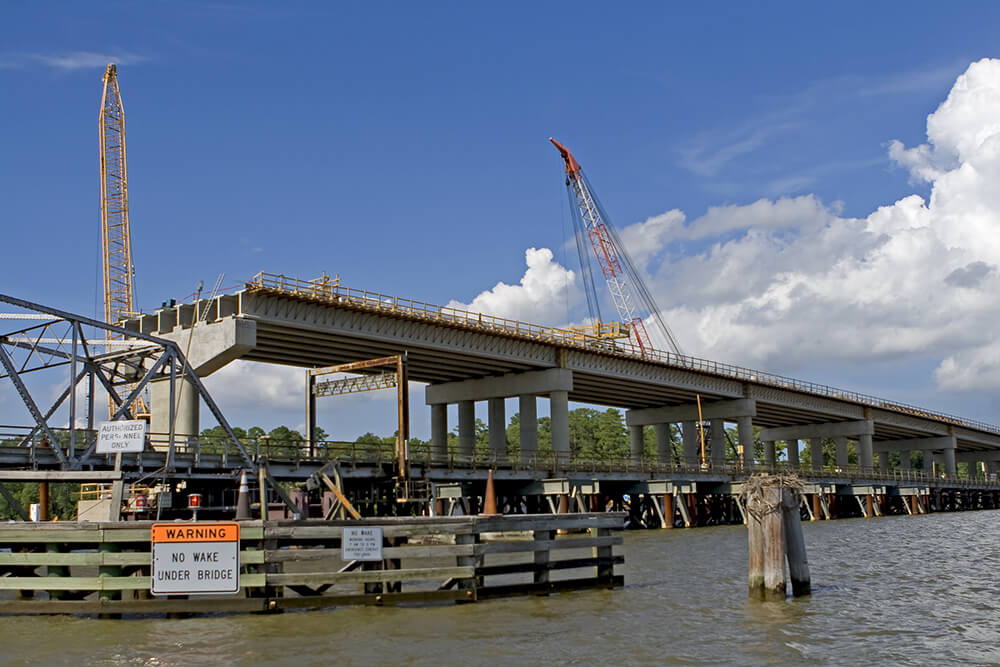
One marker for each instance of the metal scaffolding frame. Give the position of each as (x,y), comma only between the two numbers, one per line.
(55,339)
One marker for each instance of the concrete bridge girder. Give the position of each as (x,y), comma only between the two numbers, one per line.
(687,415)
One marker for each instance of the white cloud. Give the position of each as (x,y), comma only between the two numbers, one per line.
(545,286)
(782,283)
(250,387)
(72,60)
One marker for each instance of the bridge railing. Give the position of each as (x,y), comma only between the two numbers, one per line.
(330,291)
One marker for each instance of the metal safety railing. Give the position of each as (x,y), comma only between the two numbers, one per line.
(330,291)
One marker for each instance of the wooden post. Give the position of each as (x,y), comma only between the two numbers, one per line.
(541,575)
(817,513)
(795,544)
(775,534)
(772,529)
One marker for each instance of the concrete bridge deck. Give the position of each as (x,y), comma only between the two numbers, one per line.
(467,357)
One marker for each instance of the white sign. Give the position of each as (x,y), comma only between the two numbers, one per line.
(361,543)
(193,558)
(121,436)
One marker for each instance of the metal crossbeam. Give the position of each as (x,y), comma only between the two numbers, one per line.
(355,384)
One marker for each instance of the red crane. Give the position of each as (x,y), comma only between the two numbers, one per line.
(631,297)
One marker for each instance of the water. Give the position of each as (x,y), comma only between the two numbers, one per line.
(896,590)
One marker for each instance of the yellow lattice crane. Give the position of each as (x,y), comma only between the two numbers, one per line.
(116,238)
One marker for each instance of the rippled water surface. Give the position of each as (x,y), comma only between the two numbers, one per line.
(897,590)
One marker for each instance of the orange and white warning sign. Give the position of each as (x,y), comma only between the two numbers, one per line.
(193,558)
(196,532)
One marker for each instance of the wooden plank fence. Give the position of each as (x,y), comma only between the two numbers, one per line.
(104,568)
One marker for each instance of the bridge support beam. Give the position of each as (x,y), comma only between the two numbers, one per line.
(636,443)
(793,453)
(528,410)
(840,442)
(186,419)
(559,414)
(439,432)
(664,444)
(865,457)
(717,445)
(689,435)
(466,428)
(770,454)
(744,430)
(816,453)
(497,428)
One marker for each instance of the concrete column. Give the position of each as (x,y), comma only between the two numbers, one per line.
(904,460)
(816,453)
(841,443)
(883,463)
(928,462)
(664,450)
(744,430)
(950,468)
(636,444)
(770,456)
(439,432)
(689,435)
(865,456)
(497,427)
(528,407)
(466,428)
(793,453)
(559,413)
(186,420)
(717,446)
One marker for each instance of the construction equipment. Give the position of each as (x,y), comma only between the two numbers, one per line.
(116,238)
(631,297)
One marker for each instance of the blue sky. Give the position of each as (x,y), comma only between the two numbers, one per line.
(405,147)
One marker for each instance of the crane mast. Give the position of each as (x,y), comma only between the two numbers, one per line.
(629,293)
(116,239)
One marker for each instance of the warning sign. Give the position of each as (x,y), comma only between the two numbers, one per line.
(192,558)
(361,543)
(127,435)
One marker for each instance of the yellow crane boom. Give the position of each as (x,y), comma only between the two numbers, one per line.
(116,238)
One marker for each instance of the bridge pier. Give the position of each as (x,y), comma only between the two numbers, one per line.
(636,443)
(466,429)
(689,438)
(497,425)
(528,410)
(770,454)
(816,453)
(793,453)
(664,444)
(717,443)
(439,433)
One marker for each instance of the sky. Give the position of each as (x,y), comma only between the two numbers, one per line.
(808,189)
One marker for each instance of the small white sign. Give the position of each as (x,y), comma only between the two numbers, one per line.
(361,543)
(194,558)
(121,436)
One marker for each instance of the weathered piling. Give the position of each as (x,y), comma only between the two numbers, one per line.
(774,536)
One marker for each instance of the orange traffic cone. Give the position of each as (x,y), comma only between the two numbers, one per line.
(490,497)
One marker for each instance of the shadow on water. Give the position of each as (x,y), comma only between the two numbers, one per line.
(898,590)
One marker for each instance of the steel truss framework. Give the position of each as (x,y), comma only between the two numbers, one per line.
(384,380)
(56,339)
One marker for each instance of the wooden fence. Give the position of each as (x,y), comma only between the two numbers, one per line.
(104,568)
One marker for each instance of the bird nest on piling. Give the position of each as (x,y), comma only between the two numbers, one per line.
(754,487)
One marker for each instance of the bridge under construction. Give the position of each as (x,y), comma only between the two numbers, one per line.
(465,358)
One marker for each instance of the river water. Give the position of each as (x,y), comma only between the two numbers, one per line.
(896,590)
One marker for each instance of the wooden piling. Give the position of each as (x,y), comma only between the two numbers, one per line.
(774,536)
(668,510)
(795,544)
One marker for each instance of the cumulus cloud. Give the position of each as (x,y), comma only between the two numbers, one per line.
(777,283)
(251,387)
(545,284)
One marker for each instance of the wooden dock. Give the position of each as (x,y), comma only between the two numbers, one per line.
(105,568)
